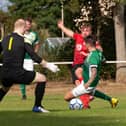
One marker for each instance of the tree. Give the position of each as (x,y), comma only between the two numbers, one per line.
(117,10)
(3,18)
(44,12)
(109,9)
(98,12)
(120,42)
(5,24)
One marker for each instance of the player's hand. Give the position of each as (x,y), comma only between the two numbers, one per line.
(60,23)
(52,67)
(86,85)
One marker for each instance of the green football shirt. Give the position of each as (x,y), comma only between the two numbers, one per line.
(33,39)
(94,59)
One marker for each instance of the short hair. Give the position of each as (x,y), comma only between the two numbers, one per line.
(19,23)
(29,19)
(90,40)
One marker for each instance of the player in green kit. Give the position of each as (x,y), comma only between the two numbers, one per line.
(28,62)
(91,71)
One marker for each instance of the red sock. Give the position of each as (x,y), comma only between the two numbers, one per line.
(85,100)
(81,79)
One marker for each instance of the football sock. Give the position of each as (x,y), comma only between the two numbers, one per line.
(102,95)
(2,94)
(85,100)
(23,89)
(39,93)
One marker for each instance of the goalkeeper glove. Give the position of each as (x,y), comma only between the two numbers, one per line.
(52,67)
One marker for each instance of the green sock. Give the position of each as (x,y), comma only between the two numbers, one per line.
(23,89)
(102,95)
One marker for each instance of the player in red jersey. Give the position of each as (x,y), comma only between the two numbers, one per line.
(80,53)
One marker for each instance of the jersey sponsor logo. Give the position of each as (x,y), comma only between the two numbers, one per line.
(78,47)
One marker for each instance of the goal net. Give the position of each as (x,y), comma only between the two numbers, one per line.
(57,49)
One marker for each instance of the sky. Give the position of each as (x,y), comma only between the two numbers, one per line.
(4,5)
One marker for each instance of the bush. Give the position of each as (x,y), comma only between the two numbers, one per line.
(108,71)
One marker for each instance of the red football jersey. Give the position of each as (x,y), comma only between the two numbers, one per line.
(80,48)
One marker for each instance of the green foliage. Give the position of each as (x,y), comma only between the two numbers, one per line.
(108,71)
(45,14)
(6,21)
(107,39)
(3,17)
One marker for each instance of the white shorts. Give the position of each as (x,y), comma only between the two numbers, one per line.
(28,64)
(80,90)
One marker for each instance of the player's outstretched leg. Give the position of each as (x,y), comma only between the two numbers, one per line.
(85,98)
(113,101)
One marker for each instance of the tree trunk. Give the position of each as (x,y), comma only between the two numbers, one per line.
(1,31)
(120,43)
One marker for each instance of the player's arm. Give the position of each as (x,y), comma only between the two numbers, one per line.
(93,75)
(36,47)
(36,43)
(52,67)
(31,52)
(84,53)
(67,31)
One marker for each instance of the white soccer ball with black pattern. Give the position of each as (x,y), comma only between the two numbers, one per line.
(75,104)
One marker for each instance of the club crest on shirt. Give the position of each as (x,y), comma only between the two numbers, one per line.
(78,47)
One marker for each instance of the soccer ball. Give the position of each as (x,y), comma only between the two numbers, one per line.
(75,104)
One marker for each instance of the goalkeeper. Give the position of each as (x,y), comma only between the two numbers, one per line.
(14,47)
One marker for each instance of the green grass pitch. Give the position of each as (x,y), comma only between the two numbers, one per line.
(15,112)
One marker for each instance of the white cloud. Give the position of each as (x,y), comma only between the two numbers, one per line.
(4,5)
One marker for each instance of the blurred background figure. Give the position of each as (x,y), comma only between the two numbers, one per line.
(28,63)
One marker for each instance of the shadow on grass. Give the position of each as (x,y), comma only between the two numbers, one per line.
(28,118)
